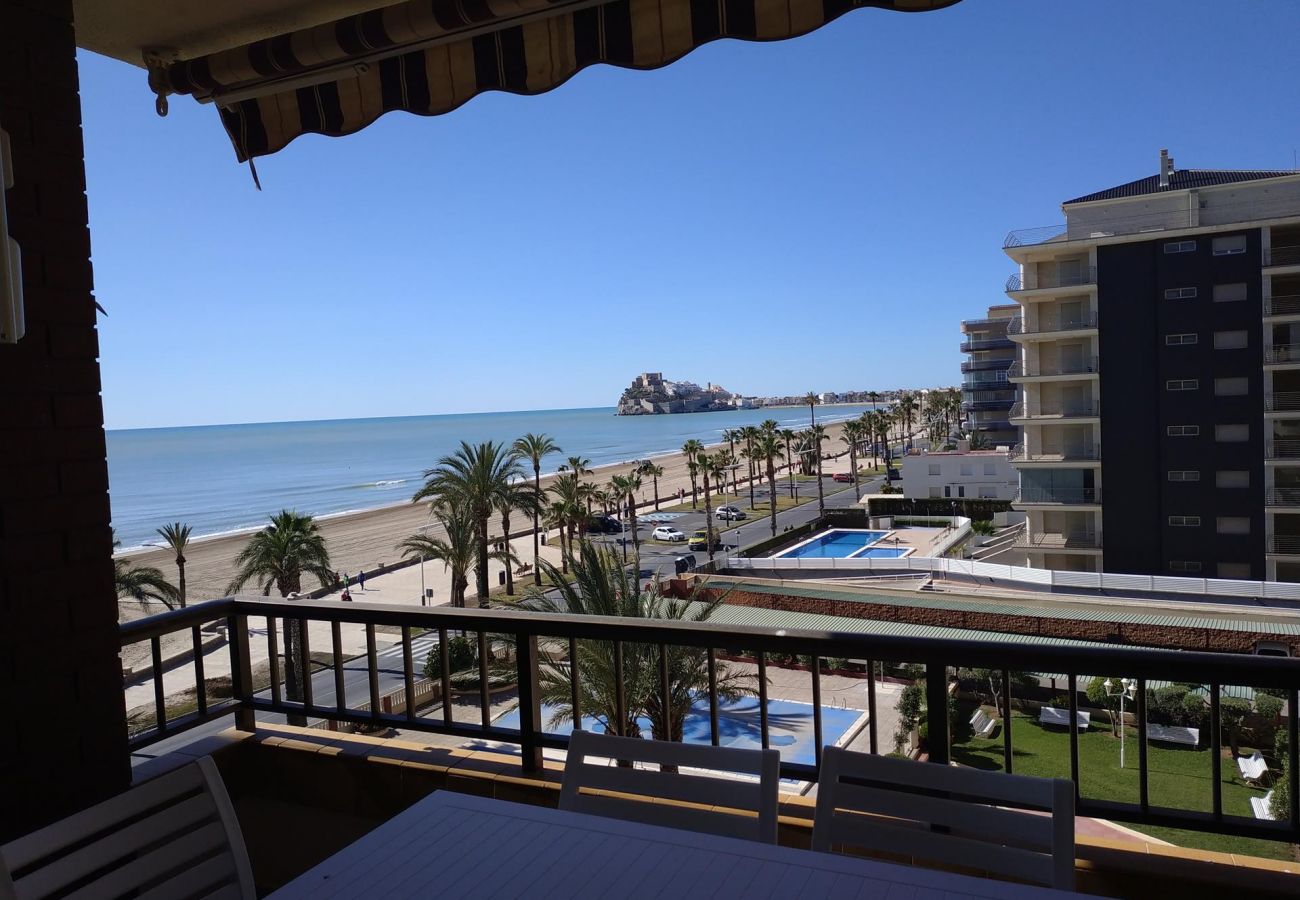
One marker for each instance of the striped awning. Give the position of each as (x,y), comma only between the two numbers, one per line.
(430,56)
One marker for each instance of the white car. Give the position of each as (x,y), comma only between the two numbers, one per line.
(668,533)
(730,512)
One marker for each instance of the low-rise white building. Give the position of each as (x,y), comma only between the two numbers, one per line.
(960,474)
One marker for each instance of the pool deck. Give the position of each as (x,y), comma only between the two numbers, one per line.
(920,540)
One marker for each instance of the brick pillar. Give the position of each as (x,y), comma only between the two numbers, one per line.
(63,740)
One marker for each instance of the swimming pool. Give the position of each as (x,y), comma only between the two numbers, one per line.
(789,725)
(845,543)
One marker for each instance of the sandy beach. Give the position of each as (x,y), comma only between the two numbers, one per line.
(366,540)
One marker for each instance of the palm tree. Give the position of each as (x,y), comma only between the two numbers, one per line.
(456,551)
(534,447)
(475,476)
(767,447)
(625,488)
(750,434)
(812,400)
(177,537)
(603,586)
(788,435)
(818,434)
(142,583)
(852,435)
(907,408)
(515,495)
(706,464)
(571,499)
(649,467)
(278,556)
(874,396)
(577,466)
(692,450)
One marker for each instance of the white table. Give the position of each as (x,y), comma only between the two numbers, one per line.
(452,845)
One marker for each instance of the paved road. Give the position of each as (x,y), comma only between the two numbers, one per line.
(655,558)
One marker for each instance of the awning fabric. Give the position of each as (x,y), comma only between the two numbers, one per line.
(337,78)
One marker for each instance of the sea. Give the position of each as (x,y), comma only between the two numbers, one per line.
(223,479)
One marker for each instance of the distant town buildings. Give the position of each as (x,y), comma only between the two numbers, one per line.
(1163,315)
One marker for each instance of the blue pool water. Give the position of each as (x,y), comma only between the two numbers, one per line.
(837,543)
(789,726)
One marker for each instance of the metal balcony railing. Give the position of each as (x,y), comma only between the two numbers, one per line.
(1283,401)
(993,343)
(1282,448)
(986,384)
(1077,410)
(989,426)
(1288,255)
(1282,496)
(986,365)
(1070,540)
(1284,543)
(1027,237)
(1282,305)
(1058,495)
(1057,279)
(1068,367)
(537,645)
(1049,324)
(1065,454)
(980,323)
(986,405)
(1282,353)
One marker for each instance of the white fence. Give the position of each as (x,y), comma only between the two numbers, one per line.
(1040,579)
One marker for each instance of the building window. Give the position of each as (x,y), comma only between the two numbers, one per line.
(1183,430)
(1174,340)
(947,490)
(1231,434)
(1184,475)
(935,492)
(934,468)
(1230,340)
(1229,245)
(1232,478)
(1180,247)
(1182,384)
(1237,571)
(1231,387)
(1185,521)
(990,468)
(1184,565)
(1230,293)
(967,469)
(1232,525)
(1185,293)
(961,490)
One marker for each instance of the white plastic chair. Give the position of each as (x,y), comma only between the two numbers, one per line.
(175,836)
(890,805)
(592,767)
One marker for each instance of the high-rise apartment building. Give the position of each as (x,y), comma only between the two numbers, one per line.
(1164,317)
(987,396)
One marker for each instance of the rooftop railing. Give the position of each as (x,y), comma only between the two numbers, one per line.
(1027,237)
(1287,255)
(1036,281)
(541,644)
(1049,324)
(1083,366)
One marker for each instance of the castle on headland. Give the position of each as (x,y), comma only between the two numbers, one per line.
(651,395)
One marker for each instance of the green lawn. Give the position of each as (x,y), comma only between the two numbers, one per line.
(1178,778)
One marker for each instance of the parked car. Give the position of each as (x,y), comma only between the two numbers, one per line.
(700,541)
(729,512)
(895,475)
(684,563)
(668,533)
(604,525)
(842,477)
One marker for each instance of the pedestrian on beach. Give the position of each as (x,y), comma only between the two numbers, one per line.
(361,579)
(345,581)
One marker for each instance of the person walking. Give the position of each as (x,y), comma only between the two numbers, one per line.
(361,579)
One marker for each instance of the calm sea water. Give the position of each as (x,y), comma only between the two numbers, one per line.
(222,478)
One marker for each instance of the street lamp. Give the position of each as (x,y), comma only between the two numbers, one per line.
(423,595)
(1127,689)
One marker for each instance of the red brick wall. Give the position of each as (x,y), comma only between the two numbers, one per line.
(1211,639)
(63,741)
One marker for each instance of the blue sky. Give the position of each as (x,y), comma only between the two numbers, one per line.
(811,214)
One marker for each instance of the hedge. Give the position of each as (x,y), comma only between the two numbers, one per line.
(970,507)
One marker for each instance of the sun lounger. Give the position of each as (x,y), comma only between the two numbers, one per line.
(982,723)
(1261,806)
(1050,715)
(1253,767)
(1174,734)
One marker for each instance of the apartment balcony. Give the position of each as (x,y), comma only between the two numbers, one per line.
(1050,542)
(1051,327)
(1282,355)
(984,383)
(1283,401)
(1028,237)
(1078,412)
(1067,369)
(998,322)
(1050,281)
(1284,544)
(303,793)
(1283,305)
(1282,497)
(1282,448)
(993,343)
(1074,453)
(998,425)
(1030,496)
(987,405)
(986,365)
(1288,255)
